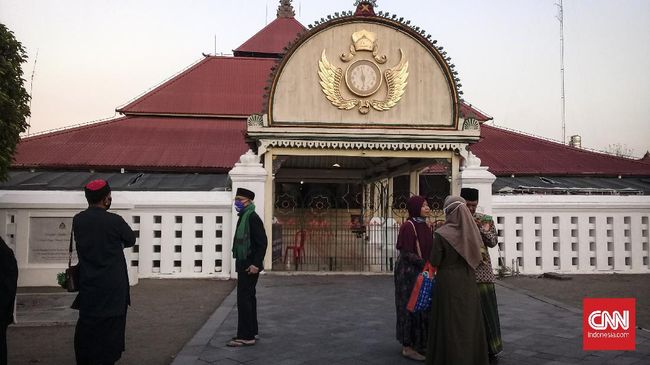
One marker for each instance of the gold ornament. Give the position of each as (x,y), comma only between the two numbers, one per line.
(363,78)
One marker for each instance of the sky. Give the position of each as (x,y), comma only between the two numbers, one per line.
(89,57)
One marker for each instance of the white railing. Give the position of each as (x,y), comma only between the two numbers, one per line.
(179,234)
(572,234)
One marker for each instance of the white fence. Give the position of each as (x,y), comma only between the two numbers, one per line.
(179,234)
(572,234)
(188,234)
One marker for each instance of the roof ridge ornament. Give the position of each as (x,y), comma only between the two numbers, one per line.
(365,7)
(285,9)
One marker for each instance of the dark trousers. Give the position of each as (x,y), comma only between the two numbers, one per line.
(3,343)
(246,306)
(99,340)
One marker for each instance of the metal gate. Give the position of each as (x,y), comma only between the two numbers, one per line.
(338,227)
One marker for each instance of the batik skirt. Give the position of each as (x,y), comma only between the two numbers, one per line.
(412,328)
(488,297)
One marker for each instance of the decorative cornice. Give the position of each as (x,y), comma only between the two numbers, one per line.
(471,124)
(349,145)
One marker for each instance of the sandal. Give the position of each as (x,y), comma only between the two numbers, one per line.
(257,337)
(413,355)
(240,343)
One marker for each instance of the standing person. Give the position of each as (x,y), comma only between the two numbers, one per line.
(412,327)
(249,248)
(456,330)
(8,281)
(485,275)
(103,296)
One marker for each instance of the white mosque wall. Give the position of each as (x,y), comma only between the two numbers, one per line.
(180,234)
(189,234)
(572,234)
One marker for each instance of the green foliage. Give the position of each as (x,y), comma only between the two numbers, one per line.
(14,99)
(60,279)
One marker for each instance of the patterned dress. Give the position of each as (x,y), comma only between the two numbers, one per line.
(485,280)
(411,328)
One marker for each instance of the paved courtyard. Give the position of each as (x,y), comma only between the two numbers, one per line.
(342,319)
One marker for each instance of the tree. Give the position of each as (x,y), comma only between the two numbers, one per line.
(14,99)
(621,150)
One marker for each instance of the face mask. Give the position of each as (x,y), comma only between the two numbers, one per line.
(239,206)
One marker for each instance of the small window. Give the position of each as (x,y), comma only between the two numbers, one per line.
(198,219)
(156,234)
(157,219)
(156,248)
(156,263)
(179,219)
(136,249)
(198,234)
(198,263)
(136,219)
(177,248)
(198,248)
(556,261)
(177,263)
(218,248)
(574,261)
(219,219)
(134,263)
(178,234)
(218,233)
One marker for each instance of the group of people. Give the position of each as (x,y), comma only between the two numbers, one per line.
(104,296)
(462,325)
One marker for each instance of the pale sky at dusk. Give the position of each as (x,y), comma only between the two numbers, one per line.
(96,55)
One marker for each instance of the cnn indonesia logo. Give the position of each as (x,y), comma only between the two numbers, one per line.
(609,324)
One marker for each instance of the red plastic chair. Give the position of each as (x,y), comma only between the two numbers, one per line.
(298,247)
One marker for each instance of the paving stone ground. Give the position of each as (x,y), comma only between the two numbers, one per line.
(350,319)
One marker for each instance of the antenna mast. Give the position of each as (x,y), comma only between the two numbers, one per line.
(31,93)
(560,17)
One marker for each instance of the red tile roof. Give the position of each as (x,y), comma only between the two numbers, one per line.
(272,39)
(468,111)
(507,152)
(227,86)
(139,143)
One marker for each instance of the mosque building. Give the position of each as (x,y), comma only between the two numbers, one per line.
(333,126)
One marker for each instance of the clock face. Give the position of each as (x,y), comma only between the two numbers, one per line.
(363,78)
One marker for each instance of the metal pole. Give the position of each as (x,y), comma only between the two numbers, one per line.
(561,19)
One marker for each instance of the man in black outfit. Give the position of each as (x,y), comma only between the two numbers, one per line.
(8,280)
(249,248)
(103,280)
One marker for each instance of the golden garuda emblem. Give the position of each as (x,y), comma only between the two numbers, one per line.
(363,77)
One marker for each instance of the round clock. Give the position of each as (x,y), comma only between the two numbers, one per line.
(363,78)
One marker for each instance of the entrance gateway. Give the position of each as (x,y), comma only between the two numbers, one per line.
(362,112)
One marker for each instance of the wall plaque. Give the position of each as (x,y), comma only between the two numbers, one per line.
(49,239)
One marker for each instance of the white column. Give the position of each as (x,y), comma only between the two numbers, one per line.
(601,243)
(528,244)
(547,243)
(565,243)
(473,175)
(619,243)
(636,243)
(249,173)
(583,244)
(167,243)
